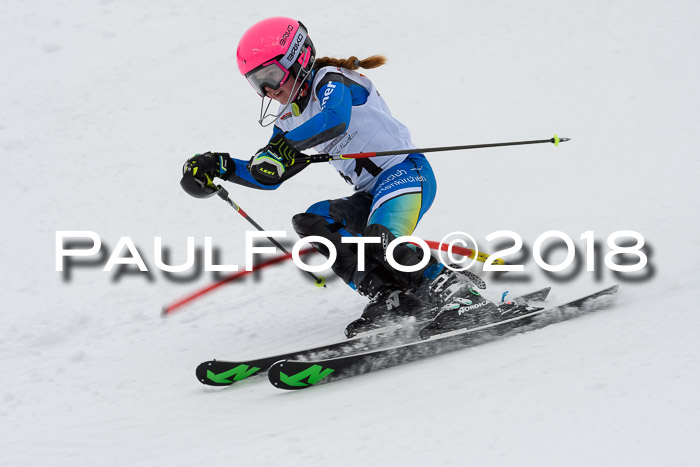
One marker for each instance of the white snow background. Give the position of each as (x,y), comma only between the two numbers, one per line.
(102,102)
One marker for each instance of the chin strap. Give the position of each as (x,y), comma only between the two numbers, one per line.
(298,90)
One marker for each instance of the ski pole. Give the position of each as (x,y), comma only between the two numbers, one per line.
(363,155)
(223,194)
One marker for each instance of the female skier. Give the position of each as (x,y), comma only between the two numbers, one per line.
(328,106)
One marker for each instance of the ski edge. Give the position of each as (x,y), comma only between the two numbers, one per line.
(317,371)
(226,372)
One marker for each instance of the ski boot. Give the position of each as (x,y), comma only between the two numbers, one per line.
(456,302)
(465,311)
(388,307)
(441,285)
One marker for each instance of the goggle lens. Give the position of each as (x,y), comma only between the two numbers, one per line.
(270,74)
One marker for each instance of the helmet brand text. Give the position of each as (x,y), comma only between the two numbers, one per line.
(286,34)
(293,51)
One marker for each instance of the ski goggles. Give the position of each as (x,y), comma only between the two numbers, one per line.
(274,73)
(271,74)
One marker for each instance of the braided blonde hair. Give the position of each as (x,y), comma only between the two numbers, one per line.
(351,63)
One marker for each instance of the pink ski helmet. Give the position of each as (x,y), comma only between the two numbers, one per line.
(273,49)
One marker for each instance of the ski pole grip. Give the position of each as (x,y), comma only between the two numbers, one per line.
(316,158)
(221,192)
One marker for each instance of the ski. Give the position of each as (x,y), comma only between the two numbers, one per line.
(297,374)
(226,373)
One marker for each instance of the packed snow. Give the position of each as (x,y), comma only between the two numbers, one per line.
(102,102)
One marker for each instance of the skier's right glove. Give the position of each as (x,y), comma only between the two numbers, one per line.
(275,162)
(199,171)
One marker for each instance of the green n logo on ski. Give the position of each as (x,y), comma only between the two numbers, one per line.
(314,373)
(240,372)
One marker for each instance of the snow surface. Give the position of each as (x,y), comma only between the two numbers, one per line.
(101,103)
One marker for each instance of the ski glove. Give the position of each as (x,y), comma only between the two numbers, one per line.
(199,171)
(274,163)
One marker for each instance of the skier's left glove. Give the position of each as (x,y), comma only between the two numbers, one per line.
(274,163)
(199,171)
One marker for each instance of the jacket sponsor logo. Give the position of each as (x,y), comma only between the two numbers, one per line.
(286,116)
(286,34)
(327,93)
(293,50)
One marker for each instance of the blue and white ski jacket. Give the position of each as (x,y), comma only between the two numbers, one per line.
(343,114)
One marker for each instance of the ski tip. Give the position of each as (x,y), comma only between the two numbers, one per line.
(294,375)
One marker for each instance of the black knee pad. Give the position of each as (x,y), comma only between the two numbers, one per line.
(377,251)
(306,225)
(403,254)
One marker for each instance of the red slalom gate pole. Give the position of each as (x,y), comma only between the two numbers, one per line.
(170,309)
(460,250)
